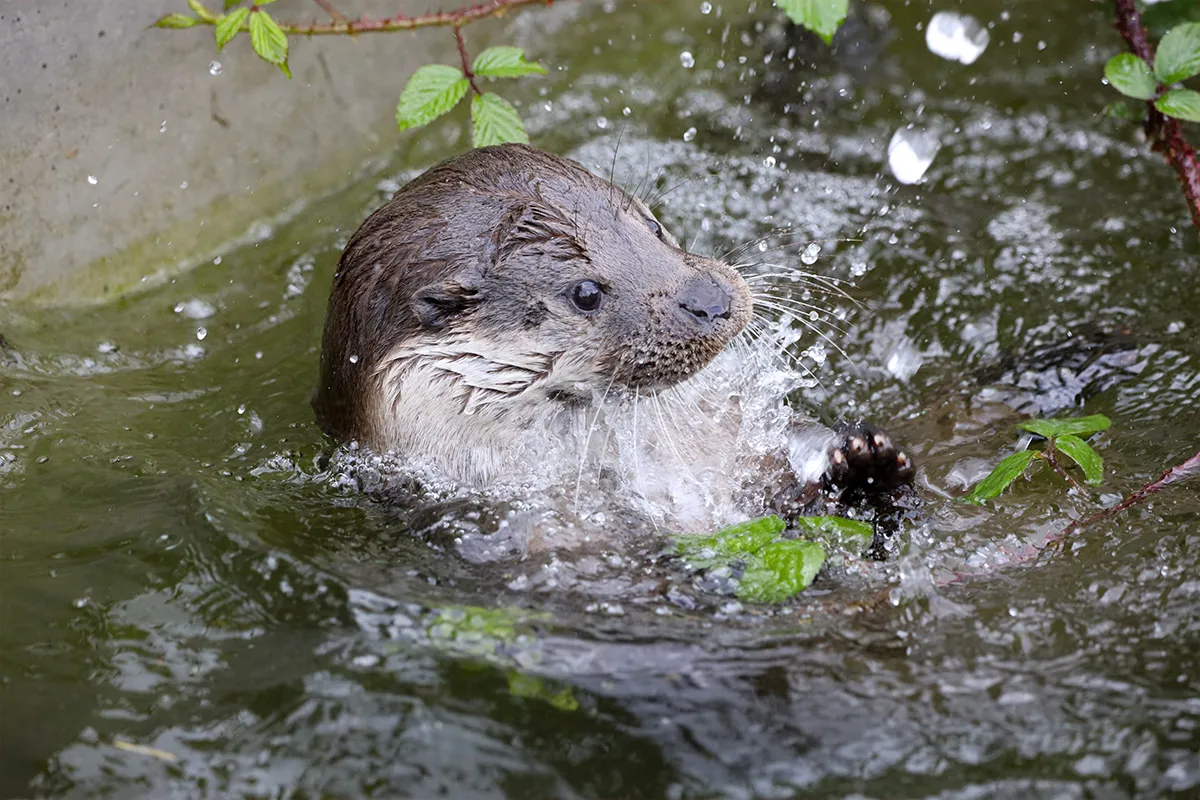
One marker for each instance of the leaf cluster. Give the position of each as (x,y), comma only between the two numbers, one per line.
(266,37)
(774,569)
(1063,436)
(1177,60)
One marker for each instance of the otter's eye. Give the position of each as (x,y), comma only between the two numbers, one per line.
(587,295)
(655,227)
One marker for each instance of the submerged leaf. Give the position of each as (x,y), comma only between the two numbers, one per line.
(431,91)
(1178,56)
(1122,110)
(729,544)
(780,571)
(852,534)
(495,121)
(1130,76)
(531,686)
(505,62)
(822,17)
(1001,477)
(1181,104)
(1079,426)
(1082,454)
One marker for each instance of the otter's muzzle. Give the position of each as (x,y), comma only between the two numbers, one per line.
(705,302)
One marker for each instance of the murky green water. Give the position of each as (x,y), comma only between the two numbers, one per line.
(179,573)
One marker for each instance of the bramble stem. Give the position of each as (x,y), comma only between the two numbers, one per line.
(466,61)
(1165,134)
(1049,455)
(351,27)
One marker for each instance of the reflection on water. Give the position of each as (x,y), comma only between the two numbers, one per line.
(181,572)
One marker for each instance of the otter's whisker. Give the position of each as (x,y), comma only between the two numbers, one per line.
(671,442)
(588,439)
(779,350)
(797,309)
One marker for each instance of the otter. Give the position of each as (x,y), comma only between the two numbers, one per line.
(506,302)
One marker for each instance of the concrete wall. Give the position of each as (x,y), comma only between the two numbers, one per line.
(180,158)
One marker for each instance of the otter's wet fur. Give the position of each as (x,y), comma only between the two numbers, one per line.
(461,334)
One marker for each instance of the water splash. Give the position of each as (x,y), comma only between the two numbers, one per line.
(956,37)
(910,153)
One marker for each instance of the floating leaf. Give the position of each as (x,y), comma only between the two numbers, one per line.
(729,544)
(780,571)
(852,534)
(505,62)
(1001,477)
(431,91)
(1130,76)
(1178,56)
(822,17)
(1181,104)
(1079,426)
(1082,454)
(176,21)
(522,685)
(495,121)
(269,41)
(1125,111)
(229,25)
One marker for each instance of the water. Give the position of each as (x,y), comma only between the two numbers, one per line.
(183,571)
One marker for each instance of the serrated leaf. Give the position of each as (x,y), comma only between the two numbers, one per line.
(822,17)
(1079,426)
(229,25)
(780,571)
(505,62)
(176,21)
(1178,56)
(1001,477)
(270,42)
(729,544)
(1082,454)
(852,534)
(495,121)
(431,91)
(1130,76)
(1124,111)
(201,11)
(1180,104)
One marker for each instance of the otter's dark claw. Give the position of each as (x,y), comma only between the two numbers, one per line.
(866,459)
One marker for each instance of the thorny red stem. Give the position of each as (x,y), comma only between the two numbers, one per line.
(466,61)
(1165,134)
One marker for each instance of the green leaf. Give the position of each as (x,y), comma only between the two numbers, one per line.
(1161,17)
(1001,477)
(851,534)
(231,3)
(780,571)
(495,121)
(176,21)
(1082,454)
(1122,110)
(431,91)
(1180,104)
(822,17)
(1080,426)
(201,11)
(729,544)
(531,686)
(1130,76)
(1178,56)
(229,25)
(269,41)
(505,62)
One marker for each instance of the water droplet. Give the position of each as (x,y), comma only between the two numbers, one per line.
(602,122)
(201,332)
(769,162)
(689,134)
(217,261)
(627,111)
(195,309)
(241,409)
(910,152)
(353,359)
(706,7)
(92,180)
(957,37)
(163,128)
(214,68)
(811,252)
(106,347)
(687,59)
(183,185)
(259,355)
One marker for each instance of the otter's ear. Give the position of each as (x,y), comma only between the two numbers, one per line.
(437,304)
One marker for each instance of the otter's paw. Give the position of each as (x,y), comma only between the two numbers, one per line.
(864,458)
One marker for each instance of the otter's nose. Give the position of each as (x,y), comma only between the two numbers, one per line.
(706,301)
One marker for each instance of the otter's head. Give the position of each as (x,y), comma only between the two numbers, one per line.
(509,276)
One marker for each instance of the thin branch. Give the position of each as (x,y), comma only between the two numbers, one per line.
(1050,456)
(466,61)
(1165,134)
(400,22)
(333,13)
